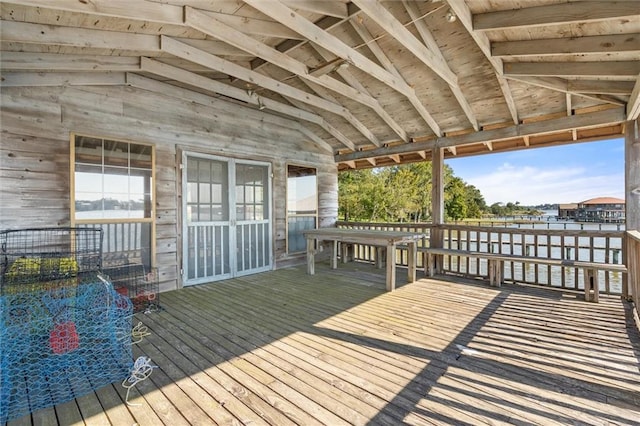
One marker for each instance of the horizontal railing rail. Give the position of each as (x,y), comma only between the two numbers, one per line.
(583,245)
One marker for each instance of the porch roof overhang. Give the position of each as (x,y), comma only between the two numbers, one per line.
(372,82)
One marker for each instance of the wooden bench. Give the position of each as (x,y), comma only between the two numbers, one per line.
(496,266)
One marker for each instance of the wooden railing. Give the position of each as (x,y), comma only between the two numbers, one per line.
(579,245)
(633,266)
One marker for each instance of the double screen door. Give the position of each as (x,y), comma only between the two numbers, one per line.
(227,218)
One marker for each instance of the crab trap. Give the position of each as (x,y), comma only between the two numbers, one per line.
(138,284)
(64,330)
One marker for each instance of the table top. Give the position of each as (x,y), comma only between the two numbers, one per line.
(366,236)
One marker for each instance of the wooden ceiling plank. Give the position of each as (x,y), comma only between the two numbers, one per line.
(563,13)
(320,91)
(214,28)
(336,9)
(356,84)
(250,25)
(462,11)
(569,103)
(326,23)
(331,129)
(608,117)
(316,139)
(22,32)
(568,46)
(633,106)
(158,68)
(574,69)
(151,11)
(195,80)
(387,21)
(296,22)
(382,57)
(96,78)
(603,87)
(560,85)
(432,46)
(57,62)
(198,56)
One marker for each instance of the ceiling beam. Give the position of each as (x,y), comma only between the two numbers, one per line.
(326,23)
(322,92)
(607,117)
(333,8)
(95,78)
(462,11)
(382,57)
(602,87)
(350,79)
(215,28)
(198,56)
(281,13)
(27,61)
(432,46)
(563,13)
(315,138)
(624,69)
(567,46)
(633,106)
(255,26)
(158,68)
(140,10)
(562,85)
(22,32)
(395,29)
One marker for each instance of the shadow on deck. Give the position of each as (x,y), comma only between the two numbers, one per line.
(287,348)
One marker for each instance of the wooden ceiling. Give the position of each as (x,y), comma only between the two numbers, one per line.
(373,82)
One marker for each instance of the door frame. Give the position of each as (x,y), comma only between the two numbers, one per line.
(231,170)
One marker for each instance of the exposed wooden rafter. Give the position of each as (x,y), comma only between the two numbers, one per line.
(158,68)
(280,12)
(462,12)
(366,36)
(432,46)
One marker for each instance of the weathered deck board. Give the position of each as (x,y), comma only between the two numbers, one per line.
(336,348)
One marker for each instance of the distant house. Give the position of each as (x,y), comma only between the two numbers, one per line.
(567,211)
(601,209)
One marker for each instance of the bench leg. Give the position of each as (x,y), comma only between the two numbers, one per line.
(591,285)
(430,266)
(495,272)
(381,257)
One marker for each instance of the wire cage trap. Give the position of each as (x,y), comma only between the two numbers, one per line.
(64,330)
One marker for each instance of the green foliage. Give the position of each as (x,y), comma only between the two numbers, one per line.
(403,194)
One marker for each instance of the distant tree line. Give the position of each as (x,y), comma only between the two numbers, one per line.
(403,194)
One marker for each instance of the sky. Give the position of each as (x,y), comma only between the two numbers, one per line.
(560,174)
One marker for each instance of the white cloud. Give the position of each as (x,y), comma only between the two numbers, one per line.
(534,185)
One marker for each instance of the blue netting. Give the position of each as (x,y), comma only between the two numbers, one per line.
(60,340)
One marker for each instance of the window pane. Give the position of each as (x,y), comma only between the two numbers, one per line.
(116,153)
(88,150)
(104,173)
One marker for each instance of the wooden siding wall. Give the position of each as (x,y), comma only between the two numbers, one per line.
(34,161)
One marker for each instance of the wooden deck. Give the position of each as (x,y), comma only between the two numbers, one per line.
(335,348)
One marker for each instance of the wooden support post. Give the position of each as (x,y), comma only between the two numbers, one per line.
(391,267)
(412,255)
(311,251)
(334,254)
(380,257)
(591,286)
(436,238)
(632,197)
